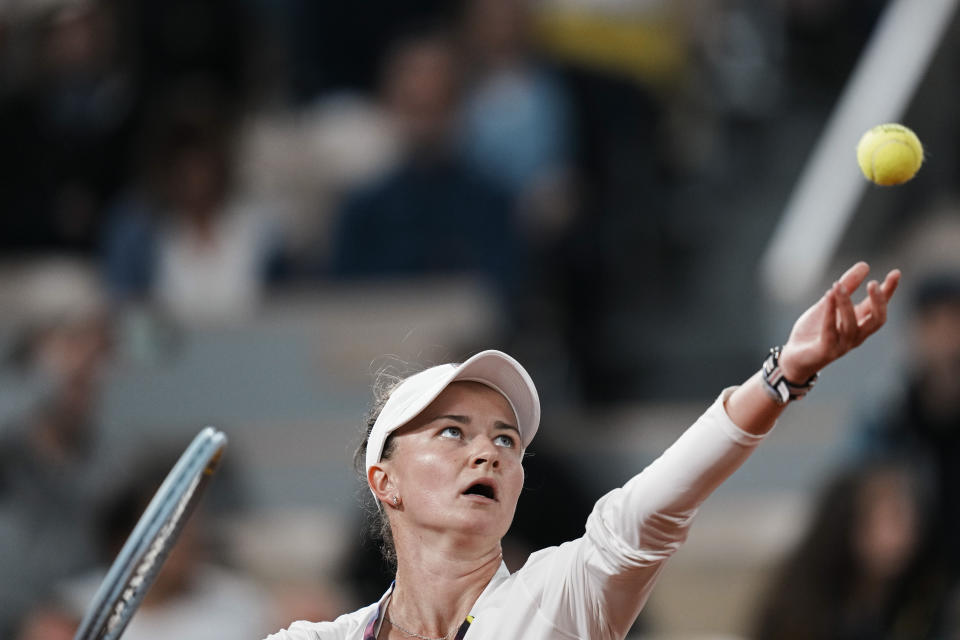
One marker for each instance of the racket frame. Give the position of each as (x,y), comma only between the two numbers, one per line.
(142,556)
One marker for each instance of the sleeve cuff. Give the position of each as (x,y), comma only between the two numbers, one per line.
(731,430)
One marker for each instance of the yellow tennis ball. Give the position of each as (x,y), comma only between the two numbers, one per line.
(889,154)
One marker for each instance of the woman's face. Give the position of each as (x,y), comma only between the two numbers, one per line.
(456,466)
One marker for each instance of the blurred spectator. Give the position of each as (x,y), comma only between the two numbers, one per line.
(924,420)
(64,134)
(50,474)
(431,214)
(516,125)
(304,161)
(858,571)
(196,247)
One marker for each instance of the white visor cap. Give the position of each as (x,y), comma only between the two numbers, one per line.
(492,368)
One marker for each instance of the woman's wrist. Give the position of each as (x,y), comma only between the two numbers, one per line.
(792,371)
(784,383)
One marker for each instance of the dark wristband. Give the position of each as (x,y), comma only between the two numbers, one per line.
(779,388)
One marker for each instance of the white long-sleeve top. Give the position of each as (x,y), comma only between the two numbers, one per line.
(594,587)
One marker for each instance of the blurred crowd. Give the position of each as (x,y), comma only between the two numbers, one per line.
(603,170)
(879,557)
(203,154)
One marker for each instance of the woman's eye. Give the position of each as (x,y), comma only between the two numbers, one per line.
(451,432)
(504,441)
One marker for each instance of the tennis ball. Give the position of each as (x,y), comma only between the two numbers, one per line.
(889,154)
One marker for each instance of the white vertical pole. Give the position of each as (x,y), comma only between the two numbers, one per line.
(826,195)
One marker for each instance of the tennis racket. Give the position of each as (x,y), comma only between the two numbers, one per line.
(143,554)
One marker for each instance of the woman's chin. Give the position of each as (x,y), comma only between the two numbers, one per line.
(481,529)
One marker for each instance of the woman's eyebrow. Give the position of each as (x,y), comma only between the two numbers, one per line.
(503,425)
(499,424)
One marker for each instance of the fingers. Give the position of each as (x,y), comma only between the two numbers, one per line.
(854,276)
(872,312)
(865,308)
(829,328)
(846,317)
(890,284)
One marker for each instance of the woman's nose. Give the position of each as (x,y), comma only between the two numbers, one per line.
(488,455)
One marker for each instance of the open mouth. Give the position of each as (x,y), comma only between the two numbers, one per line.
(481,489)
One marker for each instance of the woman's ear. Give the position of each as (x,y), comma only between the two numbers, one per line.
(381,484)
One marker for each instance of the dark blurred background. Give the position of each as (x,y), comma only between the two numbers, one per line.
(239,213)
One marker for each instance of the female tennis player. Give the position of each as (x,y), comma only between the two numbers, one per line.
(443,459)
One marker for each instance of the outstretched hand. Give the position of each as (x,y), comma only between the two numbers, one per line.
(834,326)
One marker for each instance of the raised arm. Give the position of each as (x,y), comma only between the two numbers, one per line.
(633,530)
(826,331)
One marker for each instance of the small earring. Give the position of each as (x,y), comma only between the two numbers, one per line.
(396,501)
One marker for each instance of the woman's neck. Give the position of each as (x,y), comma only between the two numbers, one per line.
(437,586)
